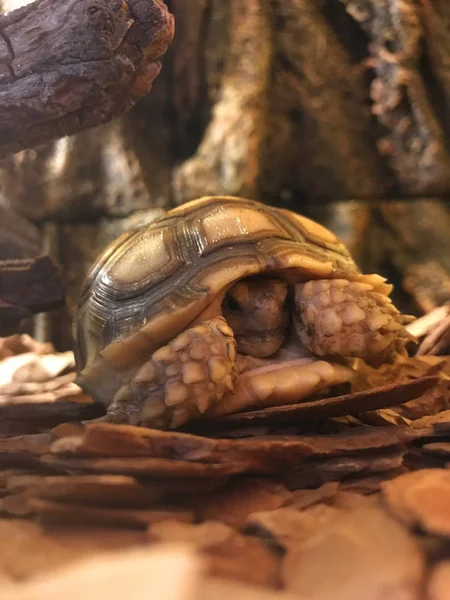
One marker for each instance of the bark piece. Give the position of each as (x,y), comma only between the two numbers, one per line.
(383,417)
(366,553)
(437,340)
(431,402)
(269,454)
(403,370)
(32,368)
(133,570)
(34,445)
(120,573)
(104,490)
(421,498)
(314,473)
(302,499)
(227,553)
(233,503)
(371,485)
(439,582)
(28,549)
(23,452)
(85,65)
(437,449)
(434,424)
(55,390)
(221,589)
(112,491)
(23,344)
(142,467)
(51,414)
(379,397)
(424,325)
(287,527)
(64,512)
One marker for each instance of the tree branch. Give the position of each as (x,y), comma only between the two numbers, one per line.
(67,66)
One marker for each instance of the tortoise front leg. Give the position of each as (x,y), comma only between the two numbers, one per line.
(350,319)
(181,381)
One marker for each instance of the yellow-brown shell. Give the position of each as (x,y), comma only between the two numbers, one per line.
(150,284)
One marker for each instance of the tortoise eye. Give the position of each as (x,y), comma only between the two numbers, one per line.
(232,304)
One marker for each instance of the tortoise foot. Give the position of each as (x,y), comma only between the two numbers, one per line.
(181,381)
(337,317)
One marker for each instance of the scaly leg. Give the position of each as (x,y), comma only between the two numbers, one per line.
(350,319)
(181,381)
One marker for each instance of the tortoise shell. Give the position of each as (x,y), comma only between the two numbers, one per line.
(152,283)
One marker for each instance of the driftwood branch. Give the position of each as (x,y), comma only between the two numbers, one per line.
(67,66)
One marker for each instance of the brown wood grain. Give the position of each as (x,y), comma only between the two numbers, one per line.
(68,66)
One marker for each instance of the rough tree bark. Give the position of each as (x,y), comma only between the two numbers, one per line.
(67,66)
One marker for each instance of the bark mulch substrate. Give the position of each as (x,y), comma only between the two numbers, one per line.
(340,497)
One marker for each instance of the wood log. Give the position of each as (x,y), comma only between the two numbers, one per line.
(29,280)
(67,66)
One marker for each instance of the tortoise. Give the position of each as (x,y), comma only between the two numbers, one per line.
(224,304)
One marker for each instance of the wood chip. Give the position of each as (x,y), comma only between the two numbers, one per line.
(25,482)
(287,527)
(367,400)
(372,484)
(301,499)
(437,340)
(111,517)
(28,549)
(214,588)
(24,451)
(402,371)
(439,423)
(93,490)
(424,325)
(365,554)
(239,499)
(51,414)
(383,417)
(317,472)
(35,444)
(33,368)
(439,582)
(229,553)
(133,573)
(256,455)
(21,344)
(437,449)
(142,467)
(421,498)
(433,401)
